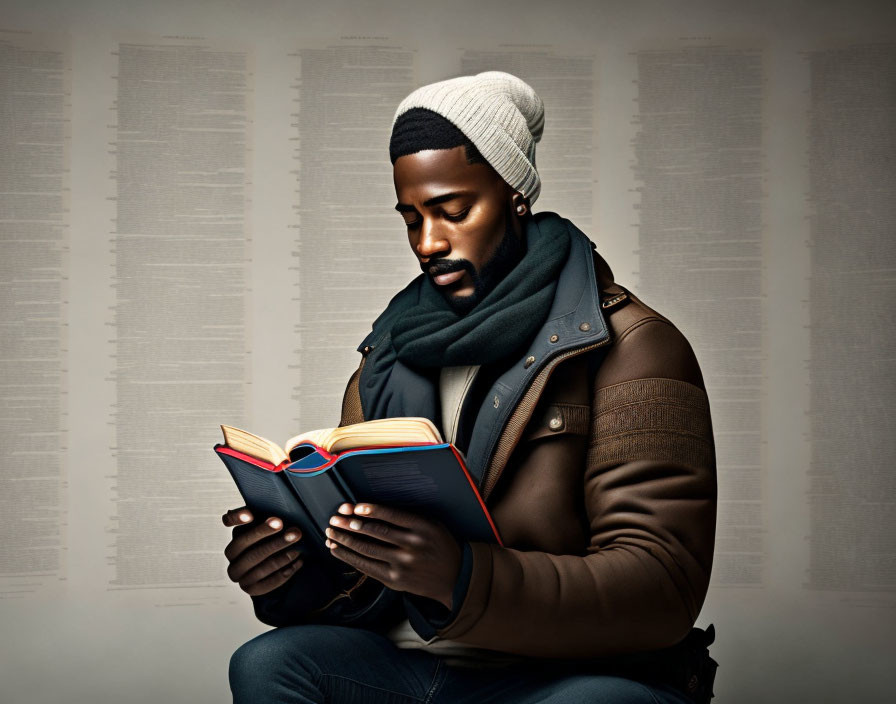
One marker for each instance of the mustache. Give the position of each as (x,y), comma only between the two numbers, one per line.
(447,266)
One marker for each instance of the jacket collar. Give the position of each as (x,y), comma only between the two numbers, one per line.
(575,317)
(575,321)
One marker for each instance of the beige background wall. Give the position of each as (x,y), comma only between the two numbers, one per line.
(197,228)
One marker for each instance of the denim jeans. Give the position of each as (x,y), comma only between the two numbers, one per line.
(315,663)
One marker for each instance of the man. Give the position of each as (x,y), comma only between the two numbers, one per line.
(583,416)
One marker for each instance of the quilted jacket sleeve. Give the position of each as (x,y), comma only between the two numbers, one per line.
(650,495)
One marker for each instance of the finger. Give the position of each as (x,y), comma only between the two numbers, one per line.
(385,532)
(255,555)
(389,514)
(373,568)
(243,539)
(244,536)
(364,545)
(275,580)
(275,563)
(237,517)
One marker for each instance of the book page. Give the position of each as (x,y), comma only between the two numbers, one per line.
(699,163)
(35,141)
(253,445)
(349,238)
(384,431)
(182,146)
(852,489)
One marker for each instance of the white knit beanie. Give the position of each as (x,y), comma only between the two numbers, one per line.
(500,114)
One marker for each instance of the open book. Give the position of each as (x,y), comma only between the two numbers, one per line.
(400,462)
(373,433)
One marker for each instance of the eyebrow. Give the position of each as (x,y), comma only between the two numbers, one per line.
(435,200)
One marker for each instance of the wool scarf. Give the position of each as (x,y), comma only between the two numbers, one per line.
(426,332)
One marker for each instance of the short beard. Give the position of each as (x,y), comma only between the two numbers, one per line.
(510,251)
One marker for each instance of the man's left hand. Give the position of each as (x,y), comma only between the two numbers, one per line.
(403,550)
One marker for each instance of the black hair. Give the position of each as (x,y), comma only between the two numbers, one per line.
(421,128)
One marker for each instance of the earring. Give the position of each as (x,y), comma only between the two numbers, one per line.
(521,209)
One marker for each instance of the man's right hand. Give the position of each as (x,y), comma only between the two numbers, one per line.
(259,553)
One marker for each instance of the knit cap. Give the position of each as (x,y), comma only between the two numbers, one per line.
(500,114)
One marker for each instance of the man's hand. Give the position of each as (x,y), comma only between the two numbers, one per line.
(404,551)
(258,555)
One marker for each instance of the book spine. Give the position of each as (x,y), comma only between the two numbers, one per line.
(344,488)
(321,493)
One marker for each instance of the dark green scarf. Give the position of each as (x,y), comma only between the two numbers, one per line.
(426,332)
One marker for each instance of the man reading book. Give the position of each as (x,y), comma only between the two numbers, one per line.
(584,420)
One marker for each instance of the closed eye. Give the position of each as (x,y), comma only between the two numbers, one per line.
(453,218)
(459,216)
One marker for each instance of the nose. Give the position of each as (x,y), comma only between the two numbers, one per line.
(431,242)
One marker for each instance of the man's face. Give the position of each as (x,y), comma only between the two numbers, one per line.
(460,221)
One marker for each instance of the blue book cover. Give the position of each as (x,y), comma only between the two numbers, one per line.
(305,490)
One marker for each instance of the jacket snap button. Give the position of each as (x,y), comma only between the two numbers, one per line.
(529,362)
(555,423)
(585,327)
(554,338)
(366,350)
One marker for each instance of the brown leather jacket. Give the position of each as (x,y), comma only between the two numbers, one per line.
(604,494)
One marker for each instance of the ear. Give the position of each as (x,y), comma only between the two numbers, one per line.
(520,204)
